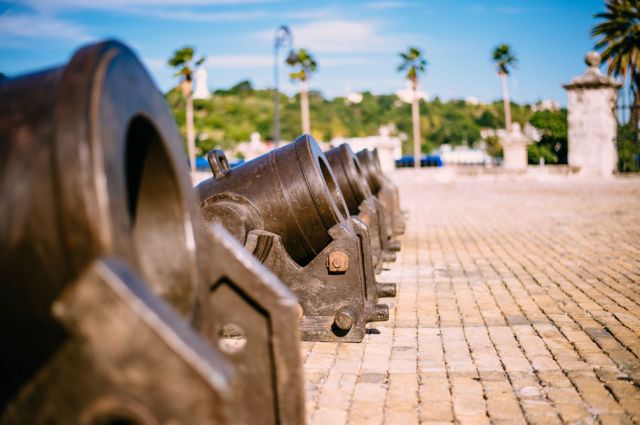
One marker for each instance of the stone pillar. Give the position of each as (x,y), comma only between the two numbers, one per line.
(514,145)
(592,121)
(515,156)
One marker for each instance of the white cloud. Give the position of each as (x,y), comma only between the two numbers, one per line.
(193,15)
(181,10)
(199,16)
(337,36)
(32,26)
(239,61)
(345,36)
(53,5)
(266,61)
(343,61)
(341,36)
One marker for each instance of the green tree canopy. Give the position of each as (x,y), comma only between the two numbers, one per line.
(183,60)
(305,64)
(232,115)
(504,58)
(413,63)
(619,39)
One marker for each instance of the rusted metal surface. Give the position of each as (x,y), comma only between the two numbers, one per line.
(387,196)
(114,304)
(287,209)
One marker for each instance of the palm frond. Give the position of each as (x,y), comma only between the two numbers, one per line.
(304,61)
(618,34)
(504,58)
(413,63)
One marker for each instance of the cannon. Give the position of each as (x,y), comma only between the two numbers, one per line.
(359,200)
(287,209)
(115,307)
(400,224)
(387,195)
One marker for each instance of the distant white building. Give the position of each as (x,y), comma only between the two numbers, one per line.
(354,97)
(463,155)
(546,105)
(487,132)
(472,100)
(254,148)
(406,94)
(389,147)
(201,88)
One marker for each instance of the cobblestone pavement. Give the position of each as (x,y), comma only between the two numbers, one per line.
(518,302)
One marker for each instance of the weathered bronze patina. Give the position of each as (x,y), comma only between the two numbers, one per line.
(115,307)
(386,194)
(399,214)
(287,209)
(361,203)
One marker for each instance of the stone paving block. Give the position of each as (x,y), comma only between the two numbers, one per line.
(518,302)
(326,415)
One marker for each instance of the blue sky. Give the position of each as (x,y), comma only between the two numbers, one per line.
(356,43)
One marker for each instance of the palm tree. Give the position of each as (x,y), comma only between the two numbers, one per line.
(619,43)
(306,65)
(414,64)
(505,59)
(183,59)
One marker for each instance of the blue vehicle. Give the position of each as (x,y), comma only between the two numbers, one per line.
(431,161)
(407,161)
(202,164)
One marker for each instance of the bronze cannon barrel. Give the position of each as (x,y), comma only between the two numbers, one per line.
(359,198)
(287,208)
(85,174)
(349,175)
(371,170)
(111,307)
(82,175)
(386,193)
(290,191)
(361,203)
(393,193)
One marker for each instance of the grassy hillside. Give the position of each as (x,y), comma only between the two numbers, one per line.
(230,116)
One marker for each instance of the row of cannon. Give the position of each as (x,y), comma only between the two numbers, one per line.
(128,297)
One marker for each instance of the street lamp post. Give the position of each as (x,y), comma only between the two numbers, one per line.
(283,36)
